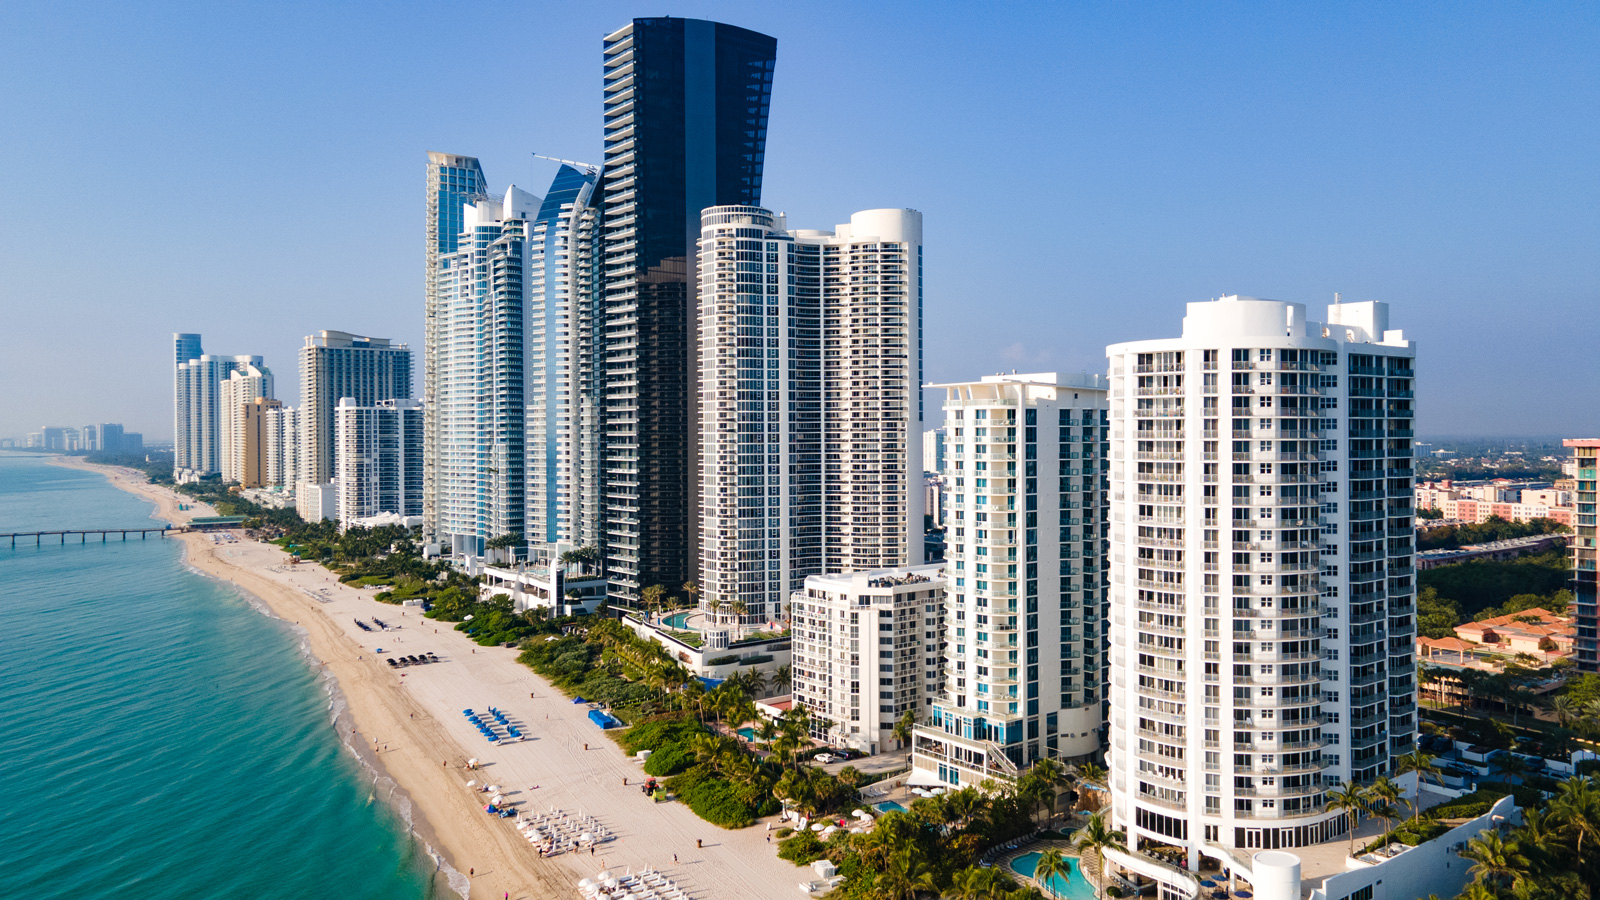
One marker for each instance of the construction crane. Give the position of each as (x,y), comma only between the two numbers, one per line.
(588,168)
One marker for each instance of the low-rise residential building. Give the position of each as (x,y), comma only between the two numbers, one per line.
(867,651)
(544,584)
(1507,549)
(1537,632)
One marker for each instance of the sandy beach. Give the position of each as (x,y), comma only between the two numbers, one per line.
(411,718)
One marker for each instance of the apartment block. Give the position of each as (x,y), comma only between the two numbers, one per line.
(1025,659)
(337,364)
(378,459)
(867,651)
(240,420)
(809,369)
(1586,648)
(1262,596)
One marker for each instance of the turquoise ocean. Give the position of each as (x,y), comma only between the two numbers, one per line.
(159,736)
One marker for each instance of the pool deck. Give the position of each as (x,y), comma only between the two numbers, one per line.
(1085,867)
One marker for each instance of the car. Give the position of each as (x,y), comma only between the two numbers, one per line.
(823,758)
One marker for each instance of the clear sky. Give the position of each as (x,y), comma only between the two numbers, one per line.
(255,172)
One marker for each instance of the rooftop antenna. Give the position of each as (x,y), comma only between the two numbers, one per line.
(588,168)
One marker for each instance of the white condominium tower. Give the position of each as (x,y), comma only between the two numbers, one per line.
(454,182)
(480,367)
(1024,662)
(866,652)
(336,364)
(197,407)
(1262,572)
(284,435)
(378,458)
(562,393)
(810,415)
(512,396)
(237,393)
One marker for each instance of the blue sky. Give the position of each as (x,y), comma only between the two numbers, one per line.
(254,172)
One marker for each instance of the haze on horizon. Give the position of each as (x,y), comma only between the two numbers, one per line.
(256,173)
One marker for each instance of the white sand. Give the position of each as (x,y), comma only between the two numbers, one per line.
(414,716)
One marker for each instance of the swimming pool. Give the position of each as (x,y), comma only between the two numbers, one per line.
(748,734)
(679,621)
(890,806)
(1075,887)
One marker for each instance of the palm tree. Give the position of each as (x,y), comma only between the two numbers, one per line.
(1384,793)
(1495,859)
(902,728)
(1095,838)
(1051,864)
(1353,800)
(1050,774)
(1540,836)
(693,590)
(651,596)
(756,681)
(1422,764)
(1578,805)
(780,680)
(1566,709)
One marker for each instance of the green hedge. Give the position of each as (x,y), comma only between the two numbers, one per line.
(1471,806)
(719,801)
(722,660)
(669,761)
(802,849)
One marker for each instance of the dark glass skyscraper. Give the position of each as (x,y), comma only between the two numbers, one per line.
(685,128)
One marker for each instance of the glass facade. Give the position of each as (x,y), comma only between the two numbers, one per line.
(686,105)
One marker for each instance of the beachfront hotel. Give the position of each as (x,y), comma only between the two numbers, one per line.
(809,403)
(1024,661)
(378,460)
(337,364)
(197,406)
(1262,595)
(867,651)
(686,105)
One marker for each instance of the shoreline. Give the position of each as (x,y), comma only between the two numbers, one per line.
(408,722)
(347,717)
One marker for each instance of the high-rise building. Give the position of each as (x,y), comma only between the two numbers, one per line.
(809,369)
(686,106)
(1586,649)
(453,183)
(867,652)
(933,450)
(197,405)
(184,348)
(1024,625)
(1263,599)
(480,367)
(562,391)
(336,364)
(512,437)
(283,432)
(238,417)
(253,442)
(378,459)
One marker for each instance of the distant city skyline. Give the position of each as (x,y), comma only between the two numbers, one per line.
(1434,159)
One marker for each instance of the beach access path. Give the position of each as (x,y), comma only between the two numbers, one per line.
(412,718)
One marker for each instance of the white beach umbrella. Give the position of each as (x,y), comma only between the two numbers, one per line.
(494,788)
(496,799)
(587,882)
(586,837)
(604,876)
(472,783)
